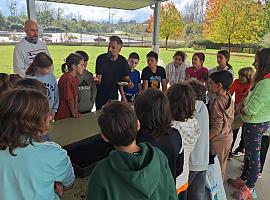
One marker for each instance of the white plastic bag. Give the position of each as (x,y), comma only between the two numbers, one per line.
(214,183)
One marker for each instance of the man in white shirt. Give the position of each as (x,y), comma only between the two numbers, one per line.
(27,48)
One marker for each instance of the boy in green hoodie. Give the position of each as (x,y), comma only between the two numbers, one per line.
(131,171)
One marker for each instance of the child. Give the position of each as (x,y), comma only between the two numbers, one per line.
(256,116)
(29,168)
(30,83)
(87,89)
(221,113)
(153,75)
(153,111)
(129,95)
(176,70)
(240,87)
(131,171)
(197,70)
(199,157)
(182,106)
(41,69)
(68,87)
(4,83)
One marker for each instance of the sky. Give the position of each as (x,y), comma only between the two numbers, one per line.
(97,14)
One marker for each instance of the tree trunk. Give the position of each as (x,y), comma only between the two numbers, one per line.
(229,44)
(166,42)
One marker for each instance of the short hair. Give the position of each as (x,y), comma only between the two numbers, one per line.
(30,83)
(199,89)
(247,72)
(152,54)
(117,39)
(134,55)
(118,123)
(84,55)
(22,115)
(182,101)
(223,77)
(153,111)
(200,55)
(181,54)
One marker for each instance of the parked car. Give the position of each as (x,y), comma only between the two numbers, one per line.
(100,39)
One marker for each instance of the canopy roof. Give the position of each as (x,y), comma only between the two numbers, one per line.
(117,4)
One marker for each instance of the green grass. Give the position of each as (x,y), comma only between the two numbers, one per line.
(60,52)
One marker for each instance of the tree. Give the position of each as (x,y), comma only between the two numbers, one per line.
(232,21)
(265,21)
(150,24)
(171,25)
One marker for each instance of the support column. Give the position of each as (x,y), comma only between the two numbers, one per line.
(155,41)
(31,9)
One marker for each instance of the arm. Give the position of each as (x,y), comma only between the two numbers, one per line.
(140,87)
(145,84)
(99,70)
(216,120)
(95,191)
(164,85)
(71,106)
(56,97)
(18,64)
(121,89)
(93,92)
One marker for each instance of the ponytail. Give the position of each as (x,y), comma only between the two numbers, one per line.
(64,68)
(229,65)
(71,60)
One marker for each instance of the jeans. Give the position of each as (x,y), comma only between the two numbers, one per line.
(196,188)
(241,146)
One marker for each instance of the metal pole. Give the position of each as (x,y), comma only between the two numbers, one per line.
(31,9)
(155,41)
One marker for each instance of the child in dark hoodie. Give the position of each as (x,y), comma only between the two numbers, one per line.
(131,171)
(221,113)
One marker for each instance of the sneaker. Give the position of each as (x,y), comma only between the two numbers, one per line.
(260,175)
(237,183)
(230,156)
(245,193)
(238,153)
(254,193)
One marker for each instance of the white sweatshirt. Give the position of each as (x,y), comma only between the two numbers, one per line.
(24,53)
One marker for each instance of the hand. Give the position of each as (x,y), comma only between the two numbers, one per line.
(59,188)
(96,80)
(130,85)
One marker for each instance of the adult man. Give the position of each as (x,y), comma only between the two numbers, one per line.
(28,48)
(111,68)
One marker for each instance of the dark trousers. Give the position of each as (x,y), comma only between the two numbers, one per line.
(264,149)
(196,188)
(241,146)
(182,195)
(253,138)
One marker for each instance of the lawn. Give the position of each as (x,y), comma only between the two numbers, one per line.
(60,52)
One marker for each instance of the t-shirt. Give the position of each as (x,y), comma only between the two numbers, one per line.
(176,74)
(68,90)
(24,53)
(240,90)
(170,144)
(32,172)
(200,74)
(112,72)
(135,78)
(154,79)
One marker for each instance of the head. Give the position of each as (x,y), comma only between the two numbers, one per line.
(24,116)
(262,65)
(30,83)
(42,65)
(4,83)
(31,30)
(152,59)
(182,101)
(199,89)
(85,57)
(246,74)
(118,123)
(13,78)
(74,62)
(153,111)
(220,81)
(115,45)
(178,58)
(198,59)
(223,58)
(133,60)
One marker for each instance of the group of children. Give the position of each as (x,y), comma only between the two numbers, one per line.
(162,139)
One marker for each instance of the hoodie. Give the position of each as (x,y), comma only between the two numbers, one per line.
(142,175)
(199,157)
(221,117)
